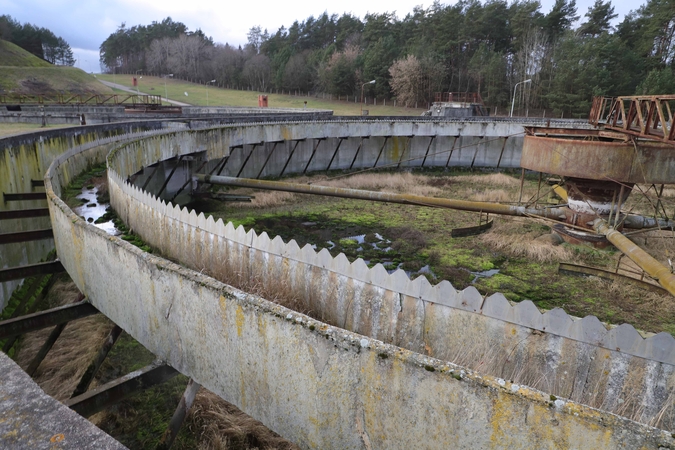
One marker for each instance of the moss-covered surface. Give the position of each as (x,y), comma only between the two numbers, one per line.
(417,239)
(19,298)
(140,421)
(70,193)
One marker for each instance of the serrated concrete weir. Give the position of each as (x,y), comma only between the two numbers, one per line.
(318,383)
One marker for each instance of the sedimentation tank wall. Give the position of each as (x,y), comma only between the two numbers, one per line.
(326,386)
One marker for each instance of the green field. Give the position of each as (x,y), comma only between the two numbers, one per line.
(176,90)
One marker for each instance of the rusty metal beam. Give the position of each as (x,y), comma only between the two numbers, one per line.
(330,163)
(356,154)
(384,144)
(22,196)
(431,141)
(318,142)
(406,199)
(17,273)
(166,182)
(25,236)
(262,168)
(253,147)
(27,296)
(93,367)
(290,157)
(471,231)
(46,346)
(644,116)
(80,99)
(576,269)
(179,415)
(452,149)
(24,213)
(108,394)
(44,319)
(33,307)
(147,180)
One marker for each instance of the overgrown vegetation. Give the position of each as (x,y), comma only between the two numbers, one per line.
(417,240)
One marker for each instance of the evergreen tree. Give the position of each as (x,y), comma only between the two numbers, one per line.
(599,17)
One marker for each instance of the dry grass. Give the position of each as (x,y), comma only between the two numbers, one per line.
(494,187)
(495,195)
(267,199)
(643,199)
(659,244)
(669,192)
(508,236)
(279,291)
(220,425)
(493,179)
(62,368)
(404,182)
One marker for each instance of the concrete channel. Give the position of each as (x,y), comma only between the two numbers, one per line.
(383,378)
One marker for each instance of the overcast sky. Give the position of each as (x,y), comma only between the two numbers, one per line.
(85,24)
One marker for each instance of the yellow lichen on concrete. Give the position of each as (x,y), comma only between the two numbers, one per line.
(240,320)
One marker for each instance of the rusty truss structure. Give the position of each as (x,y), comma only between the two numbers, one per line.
(80,99)
(648,117)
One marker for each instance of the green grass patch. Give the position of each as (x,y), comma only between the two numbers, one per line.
(139,421)
(176,90)
(13,55)
(49,80)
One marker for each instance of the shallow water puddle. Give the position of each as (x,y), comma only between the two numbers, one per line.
(91,210)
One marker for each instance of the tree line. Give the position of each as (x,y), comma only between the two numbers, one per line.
(39,41)
(470,46)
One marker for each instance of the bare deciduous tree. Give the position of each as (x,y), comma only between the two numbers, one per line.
(406,77)
(258,71)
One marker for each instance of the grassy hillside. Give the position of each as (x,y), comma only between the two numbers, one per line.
(176,90)
(24,73)
(13,55)
(49,80)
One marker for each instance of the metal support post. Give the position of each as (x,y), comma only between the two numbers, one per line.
(179,415)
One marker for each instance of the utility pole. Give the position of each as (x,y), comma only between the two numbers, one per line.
(514,93)
(362,86)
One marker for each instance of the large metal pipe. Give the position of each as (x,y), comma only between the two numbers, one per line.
(646,262)
(406,199)
(630,221)
(650,265)
(637,222)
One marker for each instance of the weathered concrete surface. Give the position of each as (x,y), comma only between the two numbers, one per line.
(24,158)
(319,385)
(615,369)
(30,419)
(70,114)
